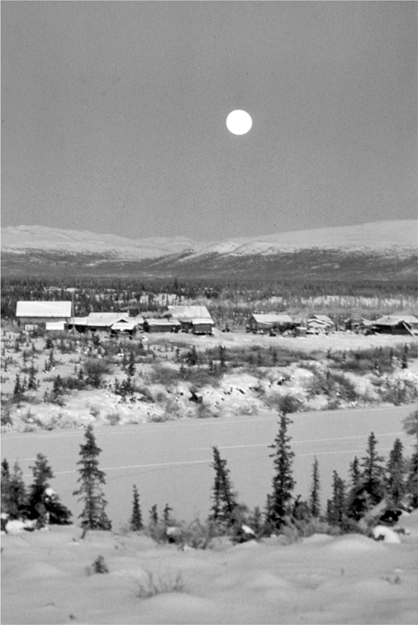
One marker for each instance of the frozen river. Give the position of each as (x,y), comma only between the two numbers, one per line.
(171,462)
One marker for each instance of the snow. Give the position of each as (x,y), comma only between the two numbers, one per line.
(47,578)
(396,234)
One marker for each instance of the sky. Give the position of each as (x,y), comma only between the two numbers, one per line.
(114,116)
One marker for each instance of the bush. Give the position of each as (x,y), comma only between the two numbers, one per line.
(153,584)
(98,566)
(95,370)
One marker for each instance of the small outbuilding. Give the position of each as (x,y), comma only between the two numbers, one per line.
(320,324)
(202,326)
(40,313)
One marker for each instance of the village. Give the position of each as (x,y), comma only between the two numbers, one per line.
(108,367)
(56,316)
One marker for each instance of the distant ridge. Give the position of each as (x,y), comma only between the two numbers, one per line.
(378,250)
(375,235)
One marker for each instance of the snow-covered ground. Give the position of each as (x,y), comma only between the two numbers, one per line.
(47,578)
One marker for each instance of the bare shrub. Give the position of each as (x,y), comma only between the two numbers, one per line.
(154,584)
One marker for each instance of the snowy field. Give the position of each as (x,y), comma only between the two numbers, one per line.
(47,579)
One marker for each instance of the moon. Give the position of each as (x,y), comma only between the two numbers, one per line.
(239,122)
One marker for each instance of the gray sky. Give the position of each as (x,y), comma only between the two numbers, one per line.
(113,116)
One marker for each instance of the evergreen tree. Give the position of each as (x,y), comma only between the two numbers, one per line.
(336,507)
(166,515)
(224,502)
(411,428)
(412,479)
(153,515)
(17,389)
(395,480)
(91,477)
(43,503)
(32,383)
(283,482)
(355,473)
(373,471)
(314,499)
(5,486)
(136,518)
(17,500)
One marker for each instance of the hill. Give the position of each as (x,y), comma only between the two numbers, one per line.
(383,250)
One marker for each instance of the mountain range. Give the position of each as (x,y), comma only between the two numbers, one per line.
(380,250)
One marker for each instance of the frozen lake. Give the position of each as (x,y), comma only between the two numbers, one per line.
(171,462)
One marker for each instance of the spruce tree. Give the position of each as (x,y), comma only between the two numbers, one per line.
(355,473)
(91,478)
(43,503)
(336,507)
(314,499)
(5,486)
(283,482)
(17,499)
(412,480)
(136,518)
(224,501)
(373,471)
(153,515)
(395,480)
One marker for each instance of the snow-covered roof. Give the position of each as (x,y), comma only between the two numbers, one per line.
(188,312)
(163,322)
(203,320)
(393,320)
(322,319)
(43,309)
(124,325)
(271,318)
(104,320)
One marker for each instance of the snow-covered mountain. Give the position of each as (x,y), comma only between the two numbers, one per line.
(384,249)
(374,236)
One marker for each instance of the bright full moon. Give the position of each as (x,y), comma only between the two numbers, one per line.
(239,122)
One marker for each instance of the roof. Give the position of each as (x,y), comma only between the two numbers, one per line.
(393,320)
(104,320)
(124,325)
(189,312)
(271,318)
(322,319)
(204,321)
(43,309)
(163,322)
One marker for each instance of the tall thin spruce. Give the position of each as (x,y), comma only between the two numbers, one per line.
(93,516)
(279,502)
(224,501)
(314,495)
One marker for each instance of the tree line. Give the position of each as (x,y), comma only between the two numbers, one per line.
(377,490)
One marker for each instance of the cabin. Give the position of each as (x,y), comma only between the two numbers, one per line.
(202,326)
(358,324)
(196,319)
(161,325)
(269,322)
(320,324)
(40,313)
(396,324)
(96,322)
